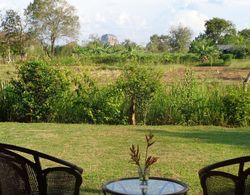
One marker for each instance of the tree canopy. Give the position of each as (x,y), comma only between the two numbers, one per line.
(245,33)
(14,35)
(158,43)
(51,20)
(217,29)
(180,38)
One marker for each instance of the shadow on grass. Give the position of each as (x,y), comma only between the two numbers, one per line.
(90,191)
(237,138)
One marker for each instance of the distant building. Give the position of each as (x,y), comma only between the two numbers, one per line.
(109,39)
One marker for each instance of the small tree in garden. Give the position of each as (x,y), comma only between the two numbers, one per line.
(139,85)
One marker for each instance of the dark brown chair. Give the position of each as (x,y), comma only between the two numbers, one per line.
(20,175)
(229,177)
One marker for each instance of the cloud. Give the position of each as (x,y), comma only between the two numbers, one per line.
(3,5)
(100,18)
(123,18)
(192,19)
(139,19)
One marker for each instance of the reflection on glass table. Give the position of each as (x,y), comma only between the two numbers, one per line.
(156,186)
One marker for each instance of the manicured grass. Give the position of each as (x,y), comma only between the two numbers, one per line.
(103,151)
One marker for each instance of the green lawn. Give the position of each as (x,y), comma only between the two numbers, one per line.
(103,151)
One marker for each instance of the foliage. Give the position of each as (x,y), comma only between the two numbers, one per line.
(118,55)
(76,106)
(180,38)
(66,50)
(239,52)
(88,103)
(36,91)
(6,101)
(139,85)
(206,50)
(42,93)
(130,45)
(236,107)
(51,20)
(109,106)
(193,103)
(227,58)
(218,28)
(159,43)
(14,38)
(245,33)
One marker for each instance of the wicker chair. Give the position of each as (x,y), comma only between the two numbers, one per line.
(21,176)
(216,179)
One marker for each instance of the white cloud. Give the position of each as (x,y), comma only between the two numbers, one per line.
(192,19)
(3,5)
(123,18)
(100,18)
(139,19)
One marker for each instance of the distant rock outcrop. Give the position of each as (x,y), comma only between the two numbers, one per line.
(109,39)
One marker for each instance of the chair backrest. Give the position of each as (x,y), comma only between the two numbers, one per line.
(229,177)
(20,175)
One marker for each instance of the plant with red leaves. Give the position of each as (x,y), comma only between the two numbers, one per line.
(135,157)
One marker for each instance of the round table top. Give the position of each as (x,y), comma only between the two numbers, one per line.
(156,185)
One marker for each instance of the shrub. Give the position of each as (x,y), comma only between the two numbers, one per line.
(236,107)
(159,112)
(76,106)
(239,52)
(109,106)
(6,102)
(227,58)
(189,58)
(37,89)
(188,103)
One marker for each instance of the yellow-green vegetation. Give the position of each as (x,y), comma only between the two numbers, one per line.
(7,71)
(244,64)
(103,151)
(105,74)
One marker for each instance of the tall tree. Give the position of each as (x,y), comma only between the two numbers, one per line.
(180,38)
(158,43)
(245,33)
(128,44)
(51,20)
(14,36)
(217,29)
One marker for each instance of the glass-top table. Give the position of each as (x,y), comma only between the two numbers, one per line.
(156,186)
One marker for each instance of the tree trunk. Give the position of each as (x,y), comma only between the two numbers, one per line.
(9,55)
(245,82)
(132,111)
(52,51)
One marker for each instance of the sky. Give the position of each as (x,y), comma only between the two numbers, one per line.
(137,20)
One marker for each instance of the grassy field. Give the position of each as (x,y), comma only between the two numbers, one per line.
(104,74)
(103,151)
